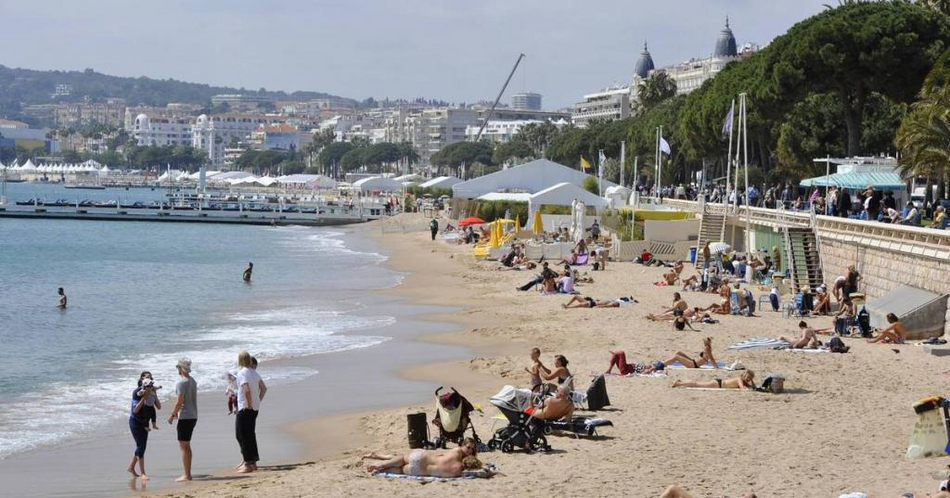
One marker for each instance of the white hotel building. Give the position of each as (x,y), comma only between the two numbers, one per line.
(213,133)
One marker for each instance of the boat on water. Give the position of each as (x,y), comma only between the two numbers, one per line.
(85,186)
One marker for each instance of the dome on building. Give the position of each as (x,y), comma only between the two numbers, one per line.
(726,44)
(645,63)
(141,122)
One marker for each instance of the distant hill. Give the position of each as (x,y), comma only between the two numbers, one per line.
(28,86)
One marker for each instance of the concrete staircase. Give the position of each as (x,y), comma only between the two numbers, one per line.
(803,258)
(712,228)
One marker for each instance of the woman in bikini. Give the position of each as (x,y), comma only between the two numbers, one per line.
(560,373)
(744,382)
(809,338)
(678,308)
(705,357)
(895,333)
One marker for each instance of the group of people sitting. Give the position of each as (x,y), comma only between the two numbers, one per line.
(744,381)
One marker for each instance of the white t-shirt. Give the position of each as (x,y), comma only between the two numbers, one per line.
(912,214)
(253,380)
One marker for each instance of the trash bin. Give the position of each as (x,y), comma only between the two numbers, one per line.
(692,255)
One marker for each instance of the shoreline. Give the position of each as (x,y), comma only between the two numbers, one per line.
(281,435)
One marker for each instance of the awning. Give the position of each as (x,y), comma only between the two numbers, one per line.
(858,180)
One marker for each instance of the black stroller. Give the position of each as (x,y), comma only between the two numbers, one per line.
(523,430)
(452,418)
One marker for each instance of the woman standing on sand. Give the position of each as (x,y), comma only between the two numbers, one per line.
(138,425)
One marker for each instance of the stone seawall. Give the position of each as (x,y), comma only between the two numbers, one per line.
(883,270)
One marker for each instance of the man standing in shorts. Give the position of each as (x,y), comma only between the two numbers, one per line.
(186,411)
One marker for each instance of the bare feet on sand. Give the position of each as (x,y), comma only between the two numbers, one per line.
(144,477)
(132,471)
(247,469)
(677,383)
(183,479)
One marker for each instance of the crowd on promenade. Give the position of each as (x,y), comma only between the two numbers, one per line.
(868,203)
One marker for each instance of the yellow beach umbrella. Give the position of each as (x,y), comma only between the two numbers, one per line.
(495,240)
(537,227)
(517,223)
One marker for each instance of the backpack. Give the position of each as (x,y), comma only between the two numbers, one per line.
(864,322)
(836,345)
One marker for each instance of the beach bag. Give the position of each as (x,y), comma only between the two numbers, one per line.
(750,304)
(773,300)
(418,430)
(597,394)
(596,265)
(841,326)
(774,383)
(929,438)
(836,345)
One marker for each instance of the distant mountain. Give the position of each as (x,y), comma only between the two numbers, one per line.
(28,86)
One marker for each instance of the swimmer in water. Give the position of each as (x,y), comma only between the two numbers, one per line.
(62,299)
(248,271)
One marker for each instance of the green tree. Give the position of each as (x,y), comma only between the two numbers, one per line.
(330,156)
(924,134)
(454,155)
(656,89)
(852,51)
(538,136)
(591,185)
(514,149)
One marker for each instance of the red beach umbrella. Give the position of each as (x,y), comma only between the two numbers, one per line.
(472,220)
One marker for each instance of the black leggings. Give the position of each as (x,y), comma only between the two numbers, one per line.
(140,434)
(245,425)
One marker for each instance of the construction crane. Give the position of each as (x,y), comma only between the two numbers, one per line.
(498,98)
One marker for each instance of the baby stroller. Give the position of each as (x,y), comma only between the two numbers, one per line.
(452,418)
(523,430)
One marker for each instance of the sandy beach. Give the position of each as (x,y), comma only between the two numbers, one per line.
(842,425)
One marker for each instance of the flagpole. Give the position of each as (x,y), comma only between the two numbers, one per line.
(745,158)
(659,175)
(656,166)
(623,157)
(729,155)
(600,172)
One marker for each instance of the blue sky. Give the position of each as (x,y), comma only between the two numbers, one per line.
(459,51)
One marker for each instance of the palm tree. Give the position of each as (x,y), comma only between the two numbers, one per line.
(941,6)
(924,134)
(655,89)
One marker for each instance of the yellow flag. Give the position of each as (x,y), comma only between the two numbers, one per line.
(584,163)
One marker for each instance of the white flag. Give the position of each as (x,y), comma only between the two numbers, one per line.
(664,146)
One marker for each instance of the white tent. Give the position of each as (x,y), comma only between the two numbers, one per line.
(531,177)
(266,181)
(441,182)
(28,166)
(410,179)
(563,194)
(318,181)
(506,196)
(377,183)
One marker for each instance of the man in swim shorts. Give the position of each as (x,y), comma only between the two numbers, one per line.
(432,463)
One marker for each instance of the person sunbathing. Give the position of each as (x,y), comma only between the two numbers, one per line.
(669,277)
(555,407)
(691,283)
(431,463)
(549,286)
(723,308)
(585,279)
(823,306)
(744,382)
(895,333)
(705,357)
(619,359)
(681,323)
(675,491)
(808,340)
(589,302)
(678,308)
(678,268)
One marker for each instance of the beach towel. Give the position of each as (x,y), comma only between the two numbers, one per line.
(487,471)
(653,375)
(720,389)
(808,350)
(581,259)
(759,343)
(679,366)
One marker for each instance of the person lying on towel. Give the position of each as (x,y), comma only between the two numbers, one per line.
(555,407)
(744,382)
(431,463)
(675,491)
(809,338)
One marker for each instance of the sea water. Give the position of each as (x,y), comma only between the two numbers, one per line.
(141,295)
